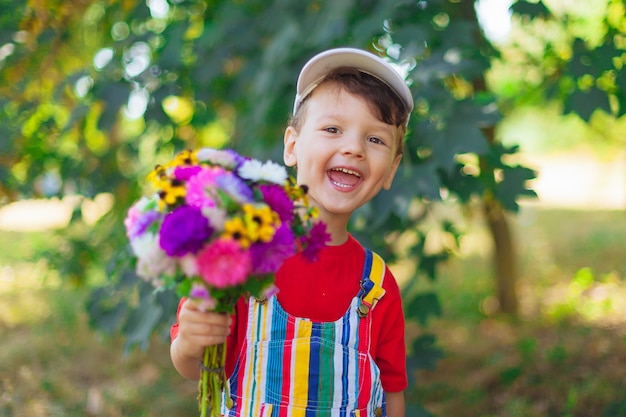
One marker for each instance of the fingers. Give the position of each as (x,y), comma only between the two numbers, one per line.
(198,329)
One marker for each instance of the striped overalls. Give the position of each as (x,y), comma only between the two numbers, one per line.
(291,366)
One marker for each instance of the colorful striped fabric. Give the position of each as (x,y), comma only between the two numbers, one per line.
(293,367)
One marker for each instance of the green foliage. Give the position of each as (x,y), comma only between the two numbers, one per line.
(584,71)
(422,306)
(425,353)
(95,93)
(52,363)
(616,409)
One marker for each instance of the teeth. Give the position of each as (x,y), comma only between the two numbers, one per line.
(341,185)
(347,171)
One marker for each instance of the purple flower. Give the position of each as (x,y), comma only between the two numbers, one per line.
(239,159)
(183,173)
(202,295)
(278,200)
(184,231)
(143,222)
(316,240)
(234,187)
(268,257)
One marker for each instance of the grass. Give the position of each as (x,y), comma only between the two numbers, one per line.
(53,364)
(563,357)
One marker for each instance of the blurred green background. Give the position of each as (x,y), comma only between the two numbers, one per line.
(505,225)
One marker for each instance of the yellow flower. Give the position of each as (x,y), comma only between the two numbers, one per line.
(294,191)
(297,193)
(171,191)
(186,157)
(157,176)
(237,230)
(261,222)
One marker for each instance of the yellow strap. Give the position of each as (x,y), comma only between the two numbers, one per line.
(377,275)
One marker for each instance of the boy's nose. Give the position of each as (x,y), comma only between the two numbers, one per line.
(353,146)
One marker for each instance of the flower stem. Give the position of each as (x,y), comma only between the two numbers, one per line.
(203,400)
(212,377)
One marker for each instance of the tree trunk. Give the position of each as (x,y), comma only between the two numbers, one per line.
(504,256)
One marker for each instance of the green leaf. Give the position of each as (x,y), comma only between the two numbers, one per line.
(465,187)
(418,180)
(141,323)
(105,313)
(424,353)
(532,9)
(422,307)
(514,185)
(584,103)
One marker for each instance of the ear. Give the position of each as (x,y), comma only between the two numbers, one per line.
(289,151)
(392,172)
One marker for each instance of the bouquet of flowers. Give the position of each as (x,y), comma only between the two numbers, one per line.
(218,227)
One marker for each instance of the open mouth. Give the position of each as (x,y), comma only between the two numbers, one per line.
(344,177)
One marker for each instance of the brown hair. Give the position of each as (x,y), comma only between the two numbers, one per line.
(379,96)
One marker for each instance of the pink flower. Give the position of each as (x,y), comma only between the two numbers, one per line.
(223,263)
(137,218)
(131,219)
(201,188)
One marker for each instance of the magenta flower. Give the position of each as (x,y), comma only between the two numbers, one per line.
(185,172)
(184,231)
(267,258)
(201,188)
(315,241)
(278,200)
(222,263)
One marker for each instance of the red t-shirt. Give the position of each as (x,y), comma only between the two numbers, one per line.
(322,291)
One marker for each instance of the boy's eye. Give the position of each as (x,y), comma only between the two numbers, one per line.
(332,129)
(374,139)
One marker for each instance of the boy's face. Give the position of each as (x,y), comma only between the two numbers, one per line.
(343,153)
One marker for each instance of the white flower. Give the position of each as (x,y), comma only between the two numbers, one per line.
(216,217)
(226,159)
(189,265)
(255,170)
(152,261)
(143,203)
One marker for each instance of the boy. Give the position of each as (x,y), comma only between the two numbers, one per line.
(332,340)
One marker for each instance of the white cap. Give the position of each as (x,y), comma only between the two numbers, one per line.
(322,64)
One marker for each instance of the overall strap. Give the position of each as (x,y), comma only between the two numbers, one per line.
(371,282)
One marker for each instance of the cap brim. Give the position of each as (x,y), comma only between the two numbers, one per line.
(322,64)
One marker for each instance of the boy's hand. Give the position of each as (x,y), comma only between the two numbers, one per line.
(198,329)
